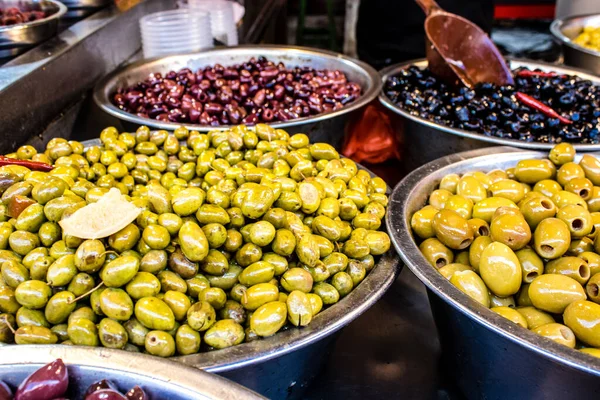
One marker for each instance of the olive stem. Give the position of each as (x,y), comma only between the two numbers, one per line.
(9,325)
(86,293)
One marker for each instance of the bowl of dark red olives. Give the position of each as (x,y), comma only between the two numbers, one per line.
(82,373)
(285,87)
(547,105)
(25,23)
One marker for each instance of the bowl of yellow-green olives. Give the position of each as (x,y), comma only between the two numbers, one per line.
(579,37)
(249,249)
(506,243)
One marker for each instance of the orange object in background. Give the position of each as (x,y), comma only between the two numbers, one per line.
(372,136)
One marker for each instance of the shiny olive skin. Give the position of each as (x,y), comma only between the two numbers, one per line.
(532,265)
(535,317)
(557,332)
(511,230)
(511,314)
(536,209)
(187,340)
(486,208)
(224,333)
(472,285)
(551,238)
(553,292)
(573,267)
(500,269)
(582,317)
(436,253)
(533,171)
(160,343)
(269,318)
(112,334)
(452,229)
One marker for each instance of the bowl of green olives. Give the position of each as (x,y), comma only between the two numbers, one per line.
(34,372)
(248,249)
(505,242)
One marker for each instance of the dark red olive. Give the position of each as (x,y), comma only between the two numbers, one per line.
(106,394)
(99,385)
(49,382)
(136,393)
(5,392)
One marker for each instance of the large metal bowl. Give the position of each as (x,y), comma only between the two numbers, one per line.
(488,356)
(427,141)
(15,39)
(160,378)
(565,30)
(327,127)
(281,366)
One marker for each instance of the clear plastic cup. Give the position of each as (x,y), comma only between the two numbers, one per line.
(221,18)
(175,32)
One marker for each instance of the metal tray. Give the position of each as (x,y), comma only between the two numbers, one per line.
(327,127)
(421,133)
(489,356)
(15,39)
(160,378)
(565,30)
(281,366)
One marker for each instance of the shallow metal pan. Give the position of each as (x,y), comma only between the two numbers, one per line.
(328,127)
(489,356)
(565,30)
(160,378)
(427,141)
(282,365)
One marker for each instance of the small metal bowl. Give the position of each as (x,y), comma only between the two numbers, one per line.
(489,356)
(16,39)
(566,30)
(328,126)
(160,378)
(428,141)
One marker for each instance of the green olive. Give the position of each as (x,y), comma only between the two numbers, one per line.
(448,270)
(143,284)
(112,334)
(33,294)
(193,242)
(511,230)
(532,265)
(83,332)
(537,209)
(224,333)
(582,317)
(471,284)
(436,253)
(553,292)
(562,153)
(59,307)
(90,256)
(533,171)
(269,318)
(116,304)
(34,335)
(573,267)
(154,261)
(125,239)
(26,316)
(500,269)
(535,317)
(486,208)
(201,316)
(511,314)
(120,271)
(578,220)
(551,238)
(136,332)
(160,343)
(557,332)
(187,340)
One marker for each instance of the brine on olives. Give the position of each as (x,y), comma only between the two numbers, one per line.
(536,261)
(237,235)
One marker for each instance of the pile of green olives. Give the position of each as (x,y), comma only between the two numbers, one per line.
(524,242)
(242,233)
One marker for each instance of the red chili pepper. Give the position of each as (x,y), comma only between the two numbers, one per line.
(528,73)
(541,107)
(32,165)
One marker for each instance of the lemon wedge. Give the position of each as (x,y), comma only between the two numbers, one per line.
(108,215)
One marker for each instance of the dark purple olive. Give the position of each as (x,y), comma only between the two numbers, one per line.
(99,385)
(136,393)
(5,392)
(49,382)
(105,394)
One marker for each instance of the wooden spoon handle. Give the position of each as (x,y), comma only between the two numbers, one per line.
(429,6)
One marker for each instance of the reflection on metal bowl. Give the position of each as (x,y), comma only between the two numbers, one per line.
(489,356)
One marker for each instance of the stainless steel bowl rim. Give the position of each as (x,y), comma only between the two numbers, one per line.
(556,29)
(62,9)
(328,321)
(514,63)
(166,371)
(101,95)
(398,225)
